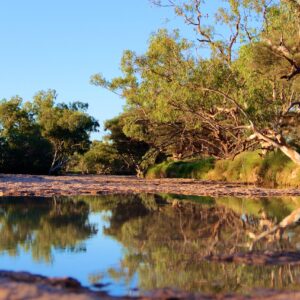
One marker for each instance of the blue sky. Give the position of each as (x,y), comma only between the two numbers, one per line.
(59,44)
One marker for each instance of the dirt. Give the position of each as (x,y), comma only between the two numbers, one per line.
(28,185)
(20,285)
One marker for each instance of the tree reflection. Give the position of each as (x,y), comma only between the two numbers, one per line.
(165,238)
(40,225)
(166,245)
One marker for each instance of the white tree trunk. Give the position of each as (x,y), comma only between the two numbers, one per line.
(282,145)
(291,153)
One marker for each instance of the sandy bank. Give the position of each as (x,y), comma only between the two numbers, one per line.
(28,185)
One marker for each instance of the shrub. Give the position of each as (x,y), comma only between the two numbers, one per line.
(273,169)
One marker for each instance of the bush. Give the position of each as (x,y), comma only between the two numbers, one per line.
(243,168)
(272,170)
(181,169)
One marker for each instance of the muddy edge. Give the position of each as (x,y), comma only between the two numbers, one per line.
(28,185)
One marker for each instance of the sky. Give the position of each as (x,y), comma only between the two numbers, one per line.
(60,44)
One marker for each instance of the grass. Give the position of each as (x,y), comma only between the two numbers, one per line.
(243,168)
(181,169)
(272,170)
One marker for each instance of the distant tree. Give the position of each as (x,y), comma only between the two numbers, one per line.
(117,153)
(40,136)
(66,126)
(101,158)
(23,148)
(131,151)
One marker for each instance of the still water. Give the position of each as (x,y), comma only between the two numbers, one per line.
(127,244)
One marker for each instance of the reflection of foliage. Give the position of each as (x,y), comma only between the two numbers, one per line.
(123,208)
(164,244)
(275,208)
(39,225)
(166,247)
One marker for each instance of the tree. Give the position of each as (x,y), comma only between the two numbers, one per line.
(101,158)
(166,106)
(117,153)
(23,148)
(131,151)
(277,43)
(66,126)
(225,103)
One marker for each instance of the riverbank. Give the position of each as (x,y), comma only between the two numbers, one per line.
(19,285)
(253,167)
(48,186)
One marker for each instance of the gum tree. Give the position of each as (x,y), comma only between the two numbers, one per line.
(66,126)
(269,54)
(167,106)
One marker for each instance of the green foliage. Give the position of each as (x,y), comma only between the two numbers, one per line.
(166,104)
(67,127)
(243,168)
(23,148)
(181,169)
(101,158)
(273,169)
(277,170)
(40,136)
(116,154)
(243,96)
(131,151)
(234,100)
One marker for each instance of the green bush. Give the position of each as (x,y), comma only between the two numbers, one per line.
(181,169)
(272,170)
(243,168)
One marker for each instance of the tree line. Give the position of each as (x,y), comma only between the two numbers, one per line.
(244,95)
(234,88)
(40,136)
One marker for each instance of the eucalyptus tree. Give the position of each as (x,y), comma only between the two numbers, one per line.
(117,153)
(23,148)
(242,96)
(101,158)
(132,152)
(166,105)
(270,57)
(66,126)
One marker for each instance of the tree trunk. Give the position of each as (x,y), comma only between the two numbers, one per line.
(291,153)
(139,171)
(57,166)
(280,144)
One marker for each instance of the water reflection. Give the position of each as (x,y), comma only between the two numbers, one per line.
(40,225)
(164,238)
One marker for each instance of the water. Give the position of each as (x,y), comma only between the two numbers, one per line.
(127,244)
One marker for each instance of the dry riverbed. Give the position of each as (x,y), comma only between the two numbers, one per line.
(28,185)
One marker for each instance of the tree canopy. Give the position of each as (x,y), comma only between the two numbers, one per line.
(235,87)
(40,136)
(243,95)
